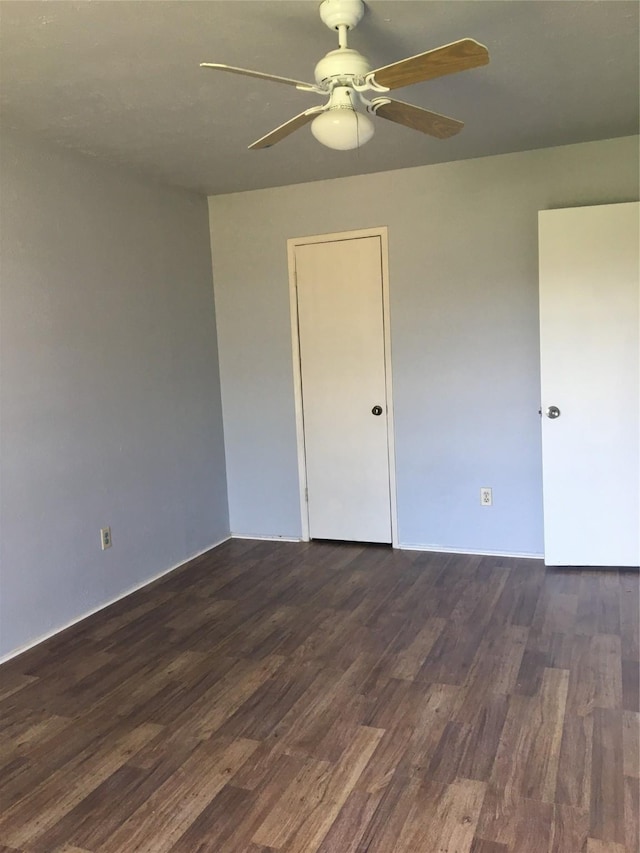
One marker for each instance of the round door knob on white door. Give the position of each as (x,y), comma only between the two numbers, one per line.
(377,410)
(552,412)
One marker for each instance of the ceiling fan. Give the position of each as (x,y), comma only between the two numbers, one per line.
(344,75)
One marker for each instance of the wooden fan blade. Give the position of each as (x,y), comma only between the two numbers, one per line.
(285,129)
(418,119)
(248,73)
(448,59)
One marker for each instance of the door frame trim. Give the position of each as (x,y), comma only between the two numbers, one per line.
(292,244)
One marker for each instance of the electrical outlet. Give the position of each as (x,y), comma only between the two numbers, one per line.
(105,538)
(486,496)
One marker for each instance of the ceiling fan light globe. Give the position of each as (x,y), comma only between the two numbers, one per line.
(342,129)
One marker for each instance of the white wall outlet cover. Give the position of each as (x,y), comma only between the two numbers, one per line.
(105,538)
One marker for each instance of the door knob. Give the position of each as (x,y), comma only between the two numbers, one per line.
(552,412)
(377,410)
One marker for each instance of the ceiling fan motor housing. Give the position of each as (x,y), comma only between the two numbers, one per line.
(341,13)
(343,65)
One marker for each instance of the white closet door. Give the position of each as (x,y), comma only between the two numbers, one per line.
(590,345)
(342,364)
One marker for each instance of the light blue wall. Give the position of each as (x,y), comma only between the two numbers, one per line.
(464,323)
(110,389)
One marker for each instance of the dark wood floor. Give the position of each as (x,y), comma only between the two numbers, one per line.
(292,697)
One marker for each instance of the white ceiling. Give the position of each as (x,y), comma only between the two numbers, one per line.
(120,81)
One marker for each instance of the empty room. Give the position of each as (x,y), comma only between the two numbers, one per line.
(320,426)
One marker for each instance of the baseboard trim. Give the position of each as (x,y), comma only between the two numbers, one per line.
(406,547)
(111,601)
(526,555)
(264,538)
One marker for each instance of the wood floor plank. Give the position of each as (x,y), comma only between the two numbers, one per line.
(607,780)
(275,697)
(527,600)
(543,760)
(522,825)
(204,716)
(560,613)
(629,599)
(494,671)
(265,709)
(318,799)
(299,800)
(391,751)
(574,767)
(588,614)
(445,761)
(98,814)
(532,666)
(527,758)
(33,815)
(396,702)
(481,845)
(512,644)
(594,845)
(630,685)
(11,685)
(390,816)
(303,731)
(570,829)
(265,801)
(232,817)
(631,744)
(75,742)
(484,737)
(409,660)
(351,823)
(168,813)
(632,813)
(429,727)
(26,735)
(214,824)
(451,812)
(606,652)
(453,653)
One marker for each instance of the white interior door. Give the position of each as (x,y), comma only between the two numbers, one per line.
(589,331)
(342,365)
